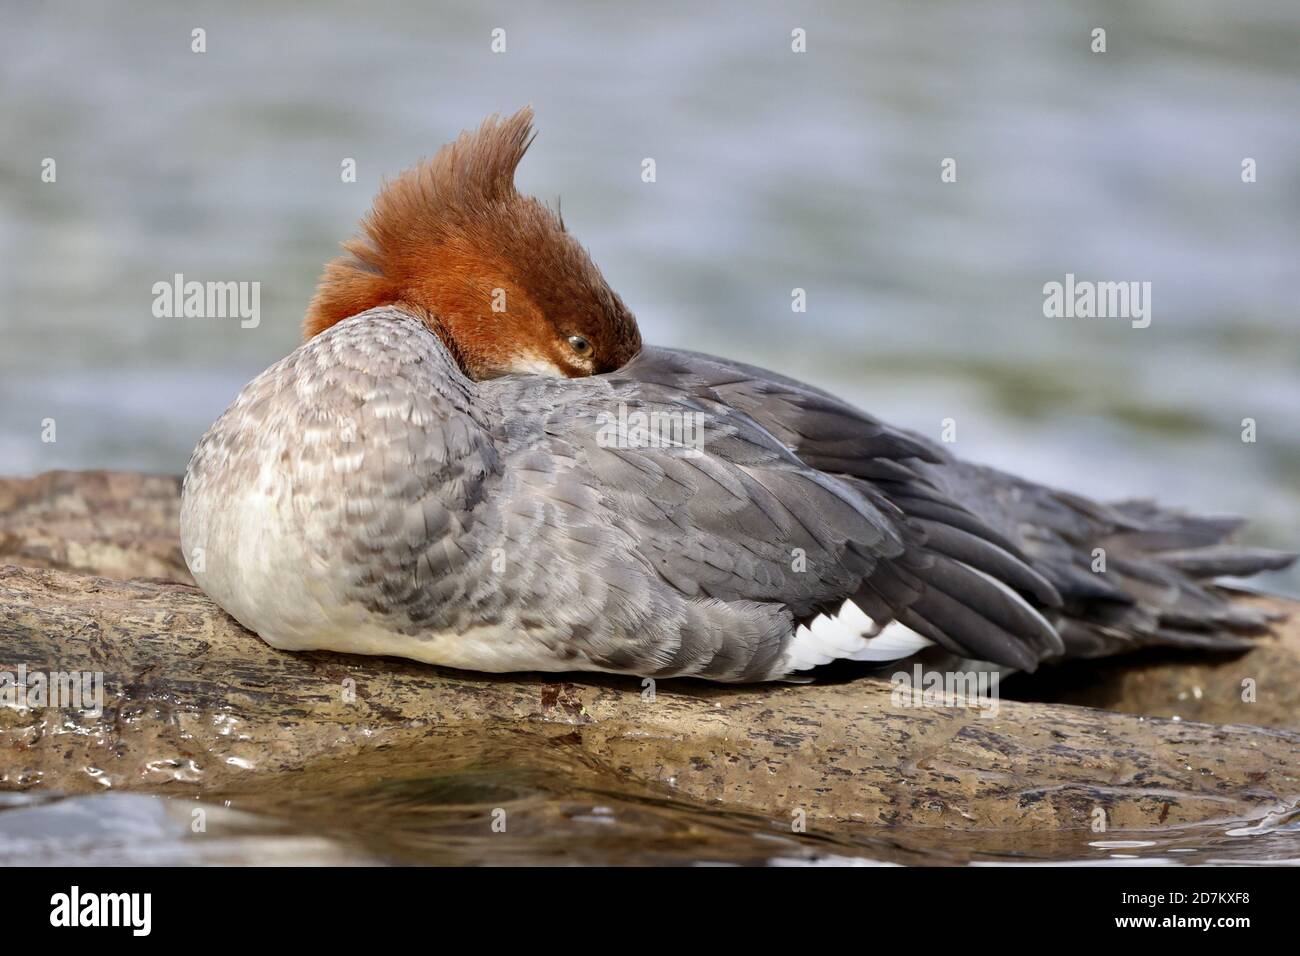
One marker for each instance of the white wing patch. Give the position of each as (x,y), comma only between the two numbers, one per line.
(850,635)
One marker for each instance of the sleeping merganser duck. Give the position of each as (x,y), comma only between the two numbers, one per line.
(455,467)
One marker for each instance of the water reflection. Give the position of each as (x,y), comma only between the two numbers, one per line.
(447,819)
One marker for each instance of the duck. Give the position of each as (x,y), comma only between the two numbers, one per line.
(473,461)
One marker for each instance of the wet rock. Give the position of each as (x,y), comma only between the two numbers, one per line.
(194,704)
(118,524)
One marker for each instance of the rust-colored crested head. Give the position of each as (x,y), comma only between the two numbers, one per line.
(494,273)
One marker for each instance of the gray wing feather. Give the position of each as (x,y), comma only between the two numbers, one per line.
(732,542)
(1036,540)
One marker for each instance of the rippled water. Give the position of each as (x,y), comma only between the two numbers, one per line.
(775,171)
(446,818)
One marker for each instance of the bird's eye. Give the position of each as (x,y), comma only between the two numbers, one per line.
(579,345)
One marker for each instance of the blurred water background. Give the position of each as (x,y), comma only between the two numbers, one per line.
(775,170)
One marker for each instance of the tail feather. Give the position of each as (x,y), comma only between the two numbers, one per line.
(1155,585)
(1226,560)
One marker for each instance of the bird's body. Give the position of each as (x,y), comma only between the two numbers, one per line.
(363,495)
(404,483)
